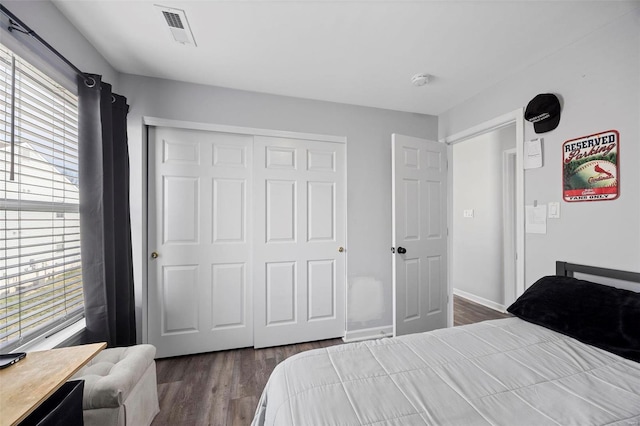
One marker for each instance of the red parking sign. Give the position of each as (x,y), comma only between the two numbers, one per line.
(590,167)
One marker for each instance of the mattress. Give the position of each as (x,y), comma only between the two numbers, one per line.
(501,372)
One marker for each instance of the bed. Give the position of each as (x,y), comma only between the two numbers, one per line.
(569,356)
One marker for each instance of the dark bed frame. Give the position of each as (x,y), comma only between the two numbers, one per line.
(567,269)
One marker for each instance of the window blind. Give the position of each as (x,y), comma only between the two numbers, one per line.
(40,270)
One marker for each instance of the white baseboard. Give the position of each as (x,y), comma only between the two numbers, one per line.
(480,300)
(368,334)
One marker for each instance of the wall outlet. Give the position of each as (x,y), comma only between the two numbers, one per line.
(467,213)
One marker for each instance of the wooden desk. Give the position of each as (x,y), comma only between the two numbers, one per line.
(29,382)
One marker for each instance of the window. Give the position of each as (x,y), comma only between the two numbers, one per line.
(40,271)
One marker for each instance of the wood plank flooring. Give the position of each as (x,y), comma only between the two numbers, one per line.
(468,312)
(223,388)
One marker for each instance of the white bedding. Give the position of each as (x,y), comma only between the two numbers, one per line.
(501,372)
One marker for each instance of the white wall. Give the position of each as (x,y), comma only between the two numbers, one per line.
(598,79)
(368,132)
(477,242)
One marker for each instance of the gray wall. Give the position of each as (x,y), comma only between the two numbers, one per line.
(368,132)
(368,149)
(477,242)
(598,80)
(47,21)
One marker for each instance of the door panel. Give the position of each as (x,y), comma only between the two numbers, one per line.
(412,195)
(179,289)
(412,298)
(180,209)
(229,288)
(200,195)
(419,226)
(229,214)
(435,217)
(321,208)
(230,156)
(299,226)
(435,291)
(322,289)
(180,152)
(280,158)
(321,161)
(281,205)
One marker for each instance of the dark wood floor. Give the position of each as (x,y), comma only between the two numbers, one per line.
(468,312)
(223,388)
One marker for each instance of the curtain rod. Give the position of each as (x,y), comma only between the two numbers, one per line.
(16,24)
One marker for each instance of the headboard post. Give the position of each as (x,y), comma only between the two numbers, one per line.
(561,269)
(567,269)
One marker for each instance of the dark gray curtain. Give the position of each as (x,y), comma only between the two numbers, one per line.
(105,225)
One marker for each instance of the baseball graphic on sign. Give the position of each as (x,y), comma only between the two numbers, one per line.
(590,167)
(595,174)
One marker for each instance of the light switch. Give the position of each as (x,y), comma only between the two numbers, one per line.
(467,213)
(554,211)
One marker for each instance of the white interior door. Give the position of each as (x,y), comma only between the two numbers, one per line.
(299,231)
(419,191)
(200,194)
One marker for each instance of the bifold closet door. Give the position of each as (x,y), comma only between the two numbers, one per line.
(299,238)
(199,270)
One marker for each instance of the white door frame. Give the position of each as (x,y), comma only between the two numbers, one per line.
(515,117)
(509,158)
(148,121)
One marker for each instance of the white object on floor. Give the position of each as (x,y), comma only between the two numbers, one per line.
(120,387)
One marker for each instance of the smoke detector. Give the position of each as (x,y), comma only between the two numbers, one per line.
(177,24)
(420,79)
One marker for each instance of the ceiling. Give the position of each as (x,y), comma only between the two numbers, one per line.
(354,52)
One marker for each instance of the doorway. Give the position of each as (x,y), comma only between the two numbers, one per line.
(514,119)
(483,212)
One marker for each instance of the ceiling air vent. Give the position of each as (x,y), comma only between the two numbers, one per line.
(176,22)
(173,19)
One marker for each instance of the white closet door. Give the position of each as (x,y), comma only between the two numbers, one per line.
(299,262)
(419,186)
(200,194)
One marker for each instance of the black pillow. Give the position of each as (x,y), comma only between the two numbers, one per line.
(596,314)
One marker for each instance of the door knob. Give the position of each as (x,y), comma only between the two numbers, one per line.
(154,255)
(340,249)
(402,250)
